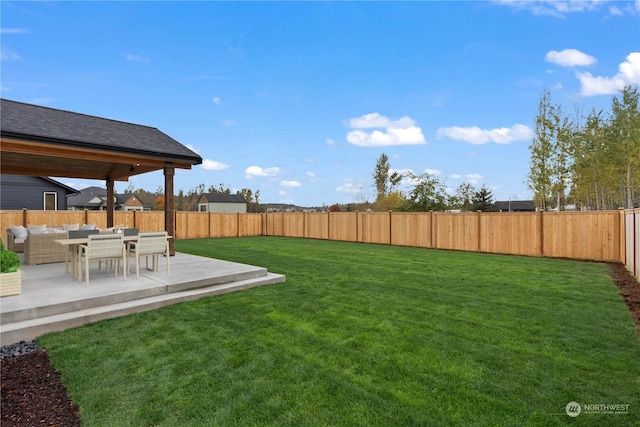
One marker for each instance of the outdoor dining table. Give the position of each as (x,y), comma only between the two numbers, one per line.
(75,243)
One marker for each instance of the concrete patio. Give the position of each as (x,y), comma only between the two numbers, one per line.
(53,301)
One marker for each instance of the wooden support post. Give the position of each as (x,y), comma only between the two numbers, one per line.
(110,202)
(169,172)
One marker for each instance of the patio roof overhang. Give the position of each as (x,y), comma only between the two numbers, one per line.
(41,141)
(21,155)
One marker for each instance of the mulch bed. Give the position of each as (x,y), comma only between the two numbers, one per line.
(31,392)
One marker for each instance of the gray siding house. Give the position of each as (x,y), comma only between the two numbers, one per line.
(222,202)
(37,193)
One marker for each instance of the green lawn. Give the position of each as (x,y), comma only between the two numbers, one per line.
(367,335)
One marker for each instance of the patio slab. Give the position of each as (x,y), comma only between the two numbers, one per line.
(54,301)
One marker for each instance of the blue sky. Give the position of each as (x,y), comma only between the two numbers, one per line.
(299,99)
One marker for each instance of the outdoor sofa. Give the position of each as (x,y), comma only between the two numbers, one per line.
(39,245)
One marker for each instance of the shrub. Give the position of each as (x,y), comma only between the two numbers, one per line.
(9,260)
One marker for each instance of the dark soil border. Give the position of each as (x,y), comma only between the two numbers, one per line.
(31,392)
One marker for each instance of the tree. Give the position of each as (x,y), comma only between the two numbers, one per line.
(562,133)
(427,194)
(384,181)
(625,139)
(463,198)
(540,169)
(483,200)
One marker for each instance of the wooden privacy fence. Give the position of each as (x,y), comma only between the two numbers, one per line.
(602,235)
(591,235)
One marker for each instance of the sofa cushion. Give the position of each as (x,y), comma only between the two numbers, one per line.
(38,229)
(19,232)
(55,230)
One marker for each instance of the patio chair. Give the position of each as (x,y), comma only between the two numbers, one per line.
(130,231)
(103,247)
(75,234)
(149,244)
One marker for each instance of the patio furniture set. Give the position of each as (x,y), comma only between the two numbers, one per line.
(76,246)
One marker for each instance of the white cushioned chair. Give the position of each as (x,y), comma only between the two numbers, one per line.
(149,244)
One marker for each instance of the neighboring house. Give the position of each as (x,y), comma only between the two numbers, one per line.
(516,206)
(221,202)
(95,198)
(19,192)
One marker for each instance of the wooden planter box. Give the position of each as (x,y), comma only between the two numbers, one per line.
(10,283)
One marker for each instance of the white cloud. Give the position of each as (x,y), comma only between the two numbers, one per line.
(628,74)
(434,172)
(570,58)
(290,184)
(475,135)
(6,54)
(349,188)
(13,31)
(394,132)
(216,100)
(212,165)
(330,141)
(252,171)
(135,58)
(553,7)
(456,176)
(229,123)
(474,178)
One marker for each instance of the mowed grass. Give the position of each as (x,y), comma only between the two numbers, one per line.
(365,335)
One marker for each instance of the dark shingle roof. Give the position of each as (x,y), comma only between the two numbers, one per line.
(224,198)
(85,195)
(516,205)
(81,130)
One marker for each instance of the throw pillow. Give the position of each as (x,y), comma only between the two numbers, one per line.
(88,227)
(71,227)
(19,232)
(38,229)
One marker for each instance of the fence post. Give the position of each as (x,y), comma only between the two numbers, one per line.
(479,235)
(541,234)
(328,225)
(389,226)
(24,217)
(431,228)
(619,234)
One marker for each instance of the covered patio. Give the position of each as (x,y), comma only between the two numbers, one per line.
(42,141)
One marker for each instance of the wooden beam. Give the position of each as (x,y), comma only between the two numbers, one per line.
(110,207)
(79,153)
